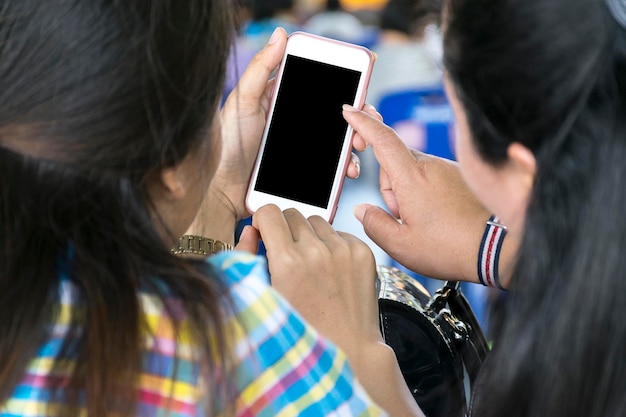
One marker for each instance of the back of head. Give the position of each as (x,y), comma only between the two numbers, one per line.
(408,16)
(266,9)
(95,96)
(333,5)
(551,75)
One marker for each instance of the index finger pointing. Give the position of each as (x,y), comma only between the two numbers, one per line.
(391,152)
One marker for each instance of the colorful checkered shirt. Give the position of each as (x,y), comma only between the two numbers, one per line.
(282,366)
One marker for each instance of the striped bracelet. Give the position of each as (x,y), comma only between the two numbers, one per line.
(489,253)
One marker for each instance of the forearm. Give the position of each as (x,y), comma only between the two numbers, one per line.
(378,371)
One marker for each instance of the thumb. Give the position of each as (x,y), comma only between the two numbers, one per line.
(253,82)
(249,240)
(377,223)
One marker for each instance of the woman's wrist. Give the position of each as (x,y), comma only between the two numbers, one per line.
(489,253)
(215,219)
(377,369)
(496,255)
(199,245)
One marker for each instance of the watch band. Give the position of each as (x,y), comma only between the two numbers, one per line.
(200,245)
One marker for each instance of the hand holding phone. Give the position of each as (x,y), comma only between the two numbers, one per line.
(306,144)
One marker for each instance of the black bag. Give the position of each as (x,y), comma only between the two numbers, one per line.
(437,340)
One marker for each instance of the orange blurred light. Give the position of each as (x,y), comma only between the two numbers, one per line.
(363,4)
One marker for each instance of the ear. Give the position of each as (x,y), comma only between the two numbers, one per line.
(524,163)
(172,186)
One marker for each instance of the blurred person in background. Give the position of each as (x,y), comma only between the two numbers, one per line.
(408,56)
(257,20)
(241,52)
(266,16)
(333,21)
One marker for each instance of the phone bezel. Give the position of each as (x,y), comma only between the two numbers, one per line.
(333,52)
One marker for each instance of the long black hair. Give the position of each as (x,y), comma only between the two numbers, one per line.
(95,96)
(551,75)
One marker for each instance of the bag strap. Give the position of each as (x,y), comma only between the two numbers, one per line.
(473,345)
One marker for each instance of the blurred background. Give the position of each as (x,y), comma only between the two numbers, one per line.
(406,88)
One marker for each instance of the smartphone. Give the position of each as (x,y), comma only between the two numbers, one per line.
(306,144)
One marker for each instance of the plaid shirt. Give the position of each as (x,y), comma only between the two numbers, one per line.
(282,365)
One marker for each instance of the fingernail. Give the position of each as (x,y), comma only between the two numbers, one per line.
(357,164)
(348,107)
(244,231)
(274,37)
(359,211)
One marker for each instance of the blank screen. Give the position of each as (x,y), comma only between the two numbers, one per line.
(306,132)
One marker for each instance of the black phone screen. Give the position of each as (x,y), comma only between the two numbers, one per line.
(305,135)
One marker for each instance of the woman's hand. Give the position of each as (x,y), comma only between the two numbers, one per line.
(329,277)
(243,120)
(436,224)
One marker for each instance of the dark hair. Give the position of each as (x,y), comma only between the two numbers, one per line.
(408,16)
(551,75)
(265,9)
(95,96)
(333,5)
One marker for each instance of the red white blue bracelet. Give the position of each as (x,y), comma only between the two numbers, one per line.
(489,253)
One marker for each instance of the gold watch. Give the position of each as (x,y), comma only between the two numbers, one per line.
(200,245)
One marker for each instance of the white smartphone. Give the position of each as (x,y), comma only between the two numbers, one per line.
(306,145)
